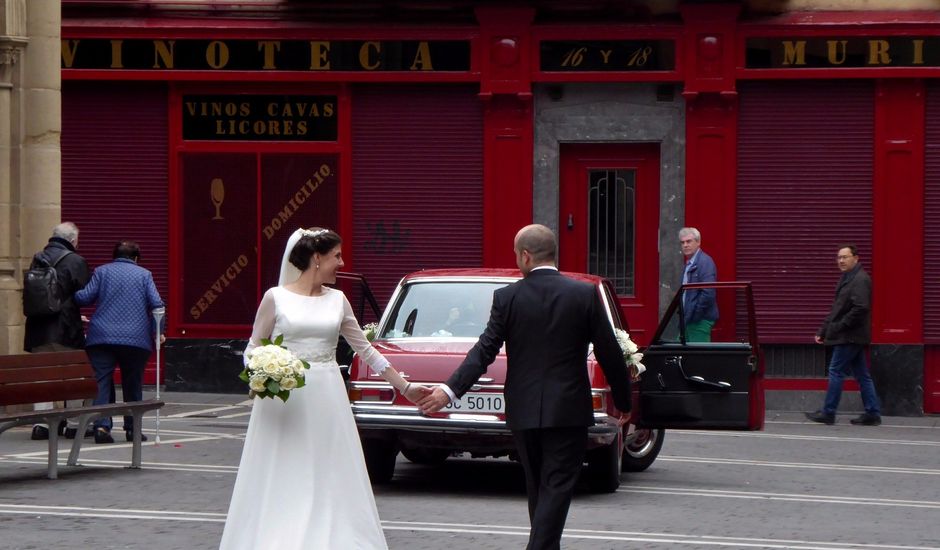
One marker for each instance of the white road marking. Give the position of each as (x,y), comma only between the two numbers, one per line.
(790,497)
(457,528)
(94,448)
(795,437)
(203,411)
(884,425)
(236,415)
(807,465)
(639,536)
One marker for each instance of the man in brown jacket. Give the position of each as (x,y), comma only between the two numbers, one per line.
(847,329)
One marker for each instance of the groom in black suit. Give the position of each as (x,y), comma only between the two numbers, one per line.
(547,321)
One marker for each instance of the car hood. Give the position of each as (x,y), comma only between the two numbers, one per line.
(434,360)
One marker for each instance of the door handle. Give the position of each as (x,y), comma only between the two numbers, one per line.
(570,222)
(721,384)
(677,362)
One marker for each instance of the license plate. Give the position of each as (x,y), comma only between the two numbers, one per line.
(478,403)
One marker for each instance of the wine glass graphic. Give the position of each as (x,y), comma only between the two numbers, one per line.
(217,189)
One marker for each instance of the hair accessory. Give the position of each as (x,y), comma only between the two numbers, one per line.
(309,233)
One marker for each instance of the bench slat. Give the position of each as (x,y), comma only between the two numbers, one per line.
(45,373)
(42,392)
(41,359)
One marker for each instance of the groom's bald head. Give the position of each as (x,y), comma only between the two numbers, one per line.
(535,245)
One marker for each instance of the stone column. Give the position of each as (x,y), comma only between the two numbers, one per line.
(30,125)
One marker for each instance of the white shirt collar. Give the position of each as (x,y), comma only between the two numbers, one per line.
(544,267)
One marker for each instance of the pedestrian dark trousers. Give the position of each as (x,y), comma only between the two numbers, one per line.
(132,360)
(552,460)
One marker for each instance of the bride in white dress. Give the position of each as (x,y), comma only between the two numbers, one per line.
(302,481)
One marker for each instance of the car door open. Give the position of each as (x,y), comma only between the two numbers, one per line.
(704,375)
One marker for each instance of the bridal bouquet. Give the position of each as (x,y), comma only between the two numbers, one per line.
(273,371)
(369,330)
(631,353)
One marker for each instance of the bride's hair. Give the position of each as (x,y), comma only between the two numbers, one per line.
(314,240)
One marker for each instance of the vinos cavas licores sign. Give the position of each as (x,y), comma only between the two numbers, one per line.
(259,117)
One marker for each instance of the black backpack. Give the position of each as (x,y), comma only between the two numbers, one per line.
(42,293)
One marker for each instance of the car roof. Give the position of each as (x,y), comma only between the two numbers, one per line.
(487,273)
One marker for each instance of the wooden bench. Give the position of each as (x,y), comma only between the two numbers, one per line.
(59,376)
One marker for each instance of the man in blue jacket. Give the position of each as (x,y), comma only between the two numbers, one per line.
(120,331)
(700,307)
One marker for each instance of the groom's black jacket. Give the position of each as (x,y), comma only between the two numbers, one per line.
(547,321)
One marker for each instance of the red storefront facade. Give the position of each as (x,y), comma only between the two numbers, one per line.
(426,145)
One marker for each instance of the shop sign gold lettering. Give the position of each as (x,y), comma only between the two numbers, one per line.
(261,117)
(266,55)
(607,55)
(278,222)
(842,52)
(291,206)
(226,278)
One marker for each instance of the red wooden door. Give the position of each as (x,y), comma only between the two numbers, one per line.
(609,223)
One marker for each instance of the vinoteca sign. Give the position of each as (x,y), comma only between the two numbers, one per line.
(842,52)
(266,55)
(259,117)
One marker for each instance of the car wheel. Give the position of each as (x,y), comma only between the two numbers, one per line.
(639,454)
(380,459)
(426,456)
(604,468)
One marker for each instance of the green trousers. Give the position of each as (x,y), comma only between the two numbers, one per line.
(699,331)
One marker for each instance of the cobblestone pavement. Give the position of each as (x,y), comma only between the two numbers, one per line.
(795,485)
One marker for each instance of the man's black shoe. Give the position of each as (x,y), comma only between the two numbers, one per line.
(103,436)
(867,420)
(70,432)
(39,432)
(130,436)
(822,417)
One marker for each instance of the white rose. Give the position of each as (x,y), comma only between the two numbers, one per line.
(288,383)
(298,367)
(270,368)
(256,385)
(635,358)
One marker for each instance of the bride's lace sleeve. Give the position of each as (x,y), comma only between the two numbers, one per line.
(358,342)
(264,323)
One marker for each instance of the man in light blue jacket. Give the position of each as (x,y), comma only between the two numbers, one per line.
(699,305)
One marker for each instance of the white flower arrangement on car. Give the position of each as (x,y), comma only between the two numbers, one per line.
(273,371)
(631,353)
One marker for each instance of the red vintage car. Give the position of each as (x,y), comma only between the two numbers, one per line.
(434,317)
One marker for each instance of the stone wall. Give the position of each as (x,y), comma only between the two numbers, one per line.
(30,125)
(625,113)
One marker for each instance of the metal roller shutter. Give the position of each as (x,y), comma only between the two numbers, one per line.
(932,216)
(114,170)
(417,181)
(805,151)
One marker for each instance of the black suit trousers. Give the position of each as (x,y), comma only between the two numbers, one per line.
(552,460)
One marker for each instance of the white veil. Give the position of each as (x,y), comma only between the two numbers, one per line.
(289,273)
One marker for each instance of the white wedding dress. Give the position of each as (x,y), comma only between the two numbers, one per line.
(302,482)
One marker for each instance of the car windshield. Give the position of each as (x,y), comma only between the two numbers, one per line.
(441,309)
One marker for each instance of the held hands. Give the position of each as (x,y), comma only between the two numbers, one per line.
(819,340)
(624,419)
(434,401)
(416,392)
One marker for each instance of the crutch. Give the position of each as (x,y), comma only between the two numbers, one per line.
(158,314)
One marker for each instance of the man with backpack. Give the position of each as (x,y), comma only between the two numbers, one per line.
(53,319)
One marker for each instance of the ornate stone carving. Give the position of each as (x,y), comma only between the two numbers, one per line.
(9,53)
